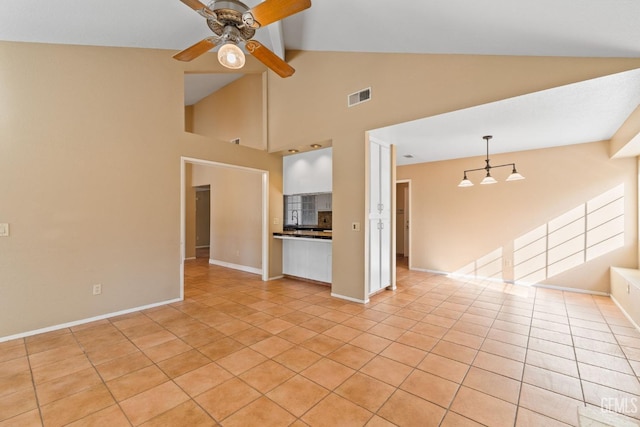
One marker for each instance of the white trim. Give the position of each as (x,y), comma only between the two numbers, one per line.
(265,226)
(183,222)
(190,258)
(485,279)
(277,277)
(239,267)
(344,297)
(566,289)
(89,320)
(201,247)
(529,285)
(379,141)
(629,318)
(426,270)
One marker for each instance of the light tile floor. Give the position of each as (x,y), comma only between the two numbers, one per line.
(242,352)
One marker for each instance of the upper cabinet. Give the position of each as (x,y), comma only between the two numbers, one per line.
(323,202)
(309,172)
(379,180)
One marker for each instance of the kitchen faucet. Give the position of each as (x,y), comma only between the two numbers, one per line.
(294,215)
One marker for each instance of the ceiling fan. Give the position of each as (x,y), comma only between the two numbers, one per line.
(233,22)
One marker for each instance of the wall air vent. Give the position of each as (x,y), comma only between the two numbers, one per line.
(235,141)
(359,97)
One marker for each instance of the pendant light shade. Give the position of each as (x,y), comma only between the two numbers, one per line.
(515,176)
(488,179)
(465,182)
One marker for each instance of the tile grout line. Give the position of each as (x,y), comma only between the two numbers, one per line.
(33,382)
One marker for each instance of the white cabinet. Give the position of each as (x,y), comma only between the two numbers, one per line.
(310,172)
(307,258)
(323,202)
(379,216)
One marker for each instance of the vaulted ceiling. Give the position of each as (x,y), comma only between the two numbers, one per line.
(586,28)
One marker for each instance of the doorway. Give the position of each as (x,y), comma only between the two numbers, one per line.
(262,251)
(203,220)
(403,213)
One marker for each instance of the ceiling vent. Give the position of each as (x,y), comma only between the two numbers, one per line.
(235,141)
(359,97)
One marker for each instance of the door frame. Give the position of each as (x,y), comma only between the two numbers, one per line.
(200,189)
(265,212)
(407,214)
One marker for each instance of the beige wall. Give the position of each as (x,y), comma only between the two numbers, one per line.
(454,227)
(626,140)
(312,106)
(188,118)
(235,111)
(236,214)
(90,141)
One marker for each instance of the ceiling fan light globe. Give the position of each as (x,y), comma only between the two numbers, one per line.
(231,56)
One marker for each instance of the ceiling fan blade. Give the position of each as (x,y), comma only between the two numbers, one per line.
(200,48)
(194,4)
(200,8)
(274,10)
(269,59)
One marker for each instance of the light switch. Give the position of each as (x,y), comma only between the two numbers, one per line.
(4,230)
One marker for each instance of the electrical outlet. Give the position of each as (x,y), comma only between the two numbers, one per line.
(4,230)
(97,289)
(276,221)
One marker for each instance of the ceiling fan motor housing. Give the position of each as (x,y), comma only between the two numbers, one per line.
(229,13)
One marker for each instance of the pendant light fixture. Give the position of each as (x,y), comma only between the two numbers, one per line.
(488,179)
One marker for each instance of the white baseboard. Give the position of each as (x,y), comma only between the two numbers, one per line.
(344,297)
(244,268)
(276,277)
(629,318)
(89,320)
(190,258)
(566,289)
(535,285)
(426,270)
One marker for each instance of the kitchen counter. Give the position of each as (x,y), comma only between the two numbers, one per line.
(306,234)
(306,254)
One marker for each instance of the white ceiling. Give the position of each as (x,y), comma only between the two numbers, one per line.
(592,28)
(492,27)
(581,112)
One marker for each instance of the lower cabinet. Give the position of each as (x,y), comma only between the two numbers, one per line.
(307,258)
